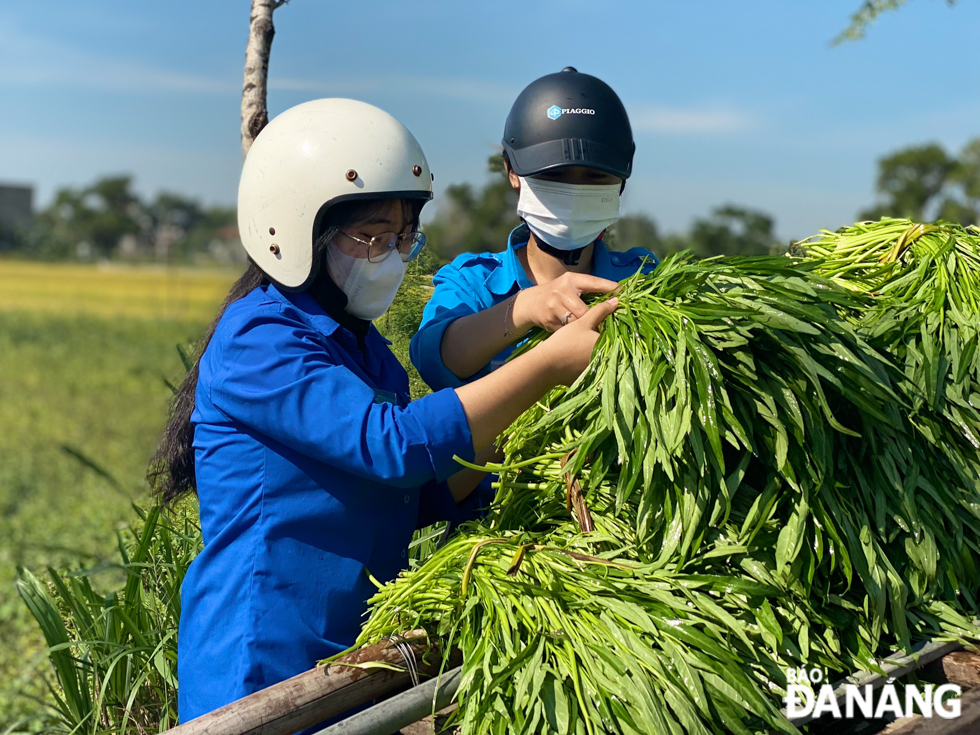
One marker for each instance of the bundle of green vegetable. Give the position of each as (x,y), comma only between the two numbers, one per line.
(557,640)
(733,488)
(926,282)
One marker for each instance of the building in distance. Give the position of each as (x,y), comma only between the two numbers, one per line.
(16,214)
(16,206)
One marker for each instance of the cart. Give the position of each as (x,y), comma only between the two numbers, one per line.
(407,681)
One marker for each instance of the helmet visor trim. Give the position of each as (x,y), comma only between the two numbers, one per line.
(565,152)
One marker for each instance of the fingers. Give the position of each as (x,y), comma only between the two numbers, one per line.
(559,302)
(584,283)
(563,307)
(575,305)
(597,313)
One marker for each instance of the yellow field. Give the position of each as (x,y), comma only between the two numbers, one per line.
(139,292)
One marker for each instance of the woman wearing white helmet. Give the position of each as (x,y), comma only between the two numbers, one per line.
(311,466)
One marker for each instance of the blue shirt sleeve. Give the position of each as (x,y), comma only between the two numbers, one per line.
(275,376)
(454,296)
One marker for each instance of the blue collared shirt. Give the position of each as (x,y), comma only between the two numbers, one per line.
(312,469)
(475,282)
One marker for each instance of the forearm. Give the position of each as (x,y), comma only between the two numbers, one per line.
(470,342)
(492,403)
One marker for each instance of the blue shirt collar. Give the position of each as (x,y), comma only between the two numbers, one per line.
(318,318)
(302,300)
(602,261)
(511,276)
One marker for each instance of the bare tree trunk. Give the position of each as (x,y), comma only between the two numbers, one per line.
(255,114)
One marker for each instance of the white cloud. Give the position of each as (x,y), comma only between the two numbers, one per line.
(455,88)
(674,120)
(39,61)
(27,60)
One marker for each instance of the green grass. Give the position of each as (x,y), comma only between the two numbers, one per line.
(82,402)
(115,653)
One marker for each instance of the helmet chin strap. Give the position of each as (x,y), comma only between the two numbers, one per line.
(568,257)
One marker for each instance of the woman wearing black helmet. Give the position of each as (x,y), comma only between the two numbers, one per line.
(568,148)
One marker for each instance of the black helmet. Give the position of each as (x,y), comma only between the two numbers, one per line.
(568,119)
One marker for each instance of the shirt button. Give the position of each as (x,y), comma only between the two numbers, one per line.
(408,499)
(404,553)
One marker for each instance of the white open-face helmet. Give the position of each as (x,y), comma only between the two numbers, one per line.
(309,158)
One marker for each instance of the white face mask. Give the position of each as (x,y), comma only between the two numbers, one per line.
(567,216)
(370,287)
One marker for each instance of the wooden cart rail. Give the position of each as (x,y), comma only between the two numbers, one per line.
(319,694)
(325,692)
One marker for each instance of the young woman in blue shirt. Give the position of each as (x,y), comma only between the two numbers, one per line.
(311,465)
(568,148)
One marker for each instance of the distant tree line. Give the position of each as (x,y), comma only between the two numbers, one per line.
(471,219)
(923,183)
(109,220)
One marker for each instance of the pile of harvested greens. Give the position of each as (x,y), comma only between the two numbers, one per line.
(770,463)
(925,280)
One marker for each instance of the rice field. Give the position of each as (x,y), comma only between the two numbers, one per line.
(84,355)
(112,290)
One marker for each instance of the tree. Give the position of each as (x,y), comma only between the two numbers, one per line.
(170,218)
(968,173)
(963,205)
(261,31)
(100,215)
(910,180)
(469,221)
(93,220)
(109,210)
(634,231)
(733,230)
(174,210)
(867,14)
(925,183)
(214,224)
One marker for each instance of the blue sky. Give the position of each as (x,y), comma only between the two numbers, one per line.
(739,101)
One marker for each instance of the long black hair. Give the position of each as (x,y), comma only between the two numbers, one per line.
(171,471)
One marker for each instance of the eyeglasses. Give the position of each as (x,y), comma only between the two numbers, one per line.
(381,246)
